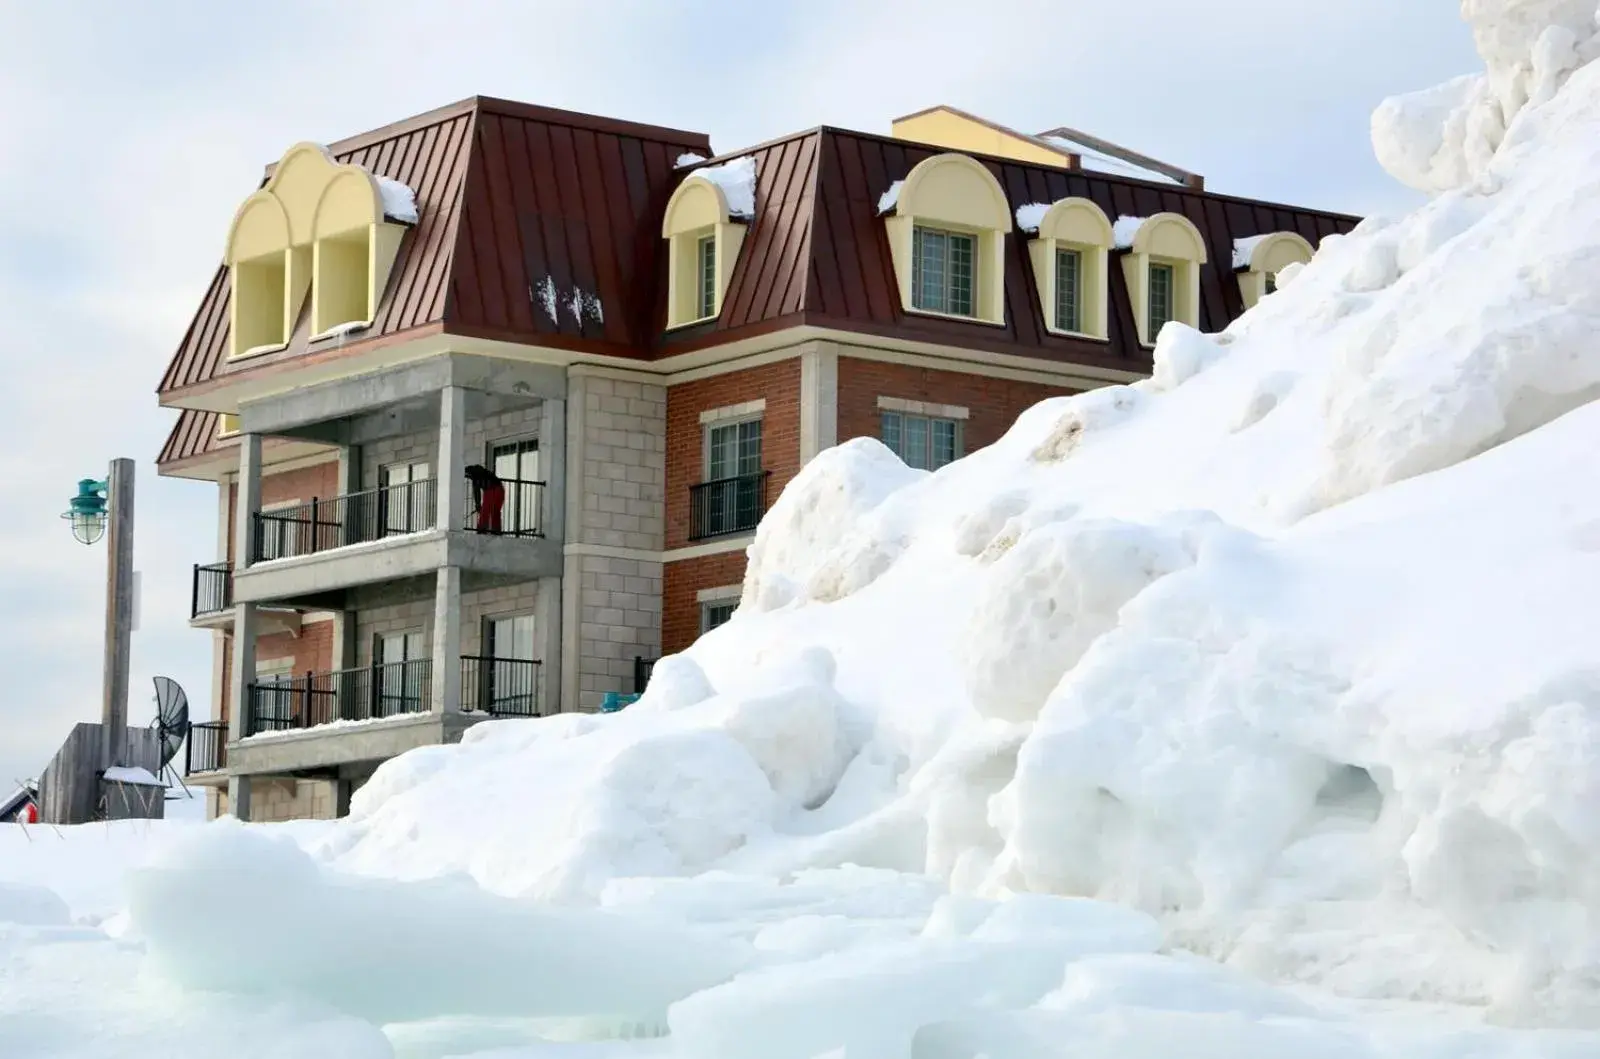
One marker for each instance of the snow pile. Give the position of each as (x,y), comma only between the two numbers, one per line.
(1287,646)
(399,201)
(1124,231)
(737,181)
(1029,215)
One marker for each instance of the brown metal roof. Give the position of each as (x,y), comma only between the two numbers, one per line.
(517,201)
(820,192)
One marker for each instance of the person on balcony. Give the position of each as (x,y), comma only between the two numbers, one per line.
(488,497)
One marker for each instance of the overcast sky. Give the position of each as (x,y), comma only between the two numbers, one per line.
(130,132)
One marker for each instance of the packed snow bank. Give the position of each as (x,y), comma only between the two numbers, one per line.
(1288,646)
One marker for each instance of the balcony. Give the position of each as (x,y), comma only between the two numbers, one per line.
(301,554)
(727,506)
(497,687)
(211,593)
(207,750)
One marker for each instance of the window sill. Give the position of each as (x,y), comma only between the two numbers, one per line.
(692,323)
(340,330)
(1081,335)
(258,351)
(957,317)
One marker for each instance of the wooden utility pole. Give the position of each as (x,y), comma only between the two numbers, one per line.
(119,612)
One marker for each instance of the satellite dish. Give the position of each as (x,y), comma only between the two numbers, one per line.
(172,717)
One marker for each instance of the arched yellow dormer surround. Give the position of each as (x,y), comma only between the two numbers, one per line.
(703,240)
(1259,259)
(1168,244)
(1077,233)
(316,226)
(952,209)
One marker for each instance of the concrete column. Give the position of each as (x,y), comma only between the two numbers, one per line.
(246,627)
(547,628)
(344,639)
(571,600)
(350,482)
(451,471)
(119,614)
(248,504)
(553,468)
(239,797)
(447,640)
(819,400)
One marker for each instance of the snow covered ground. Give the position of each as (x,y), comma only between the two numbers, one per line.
(1252,711)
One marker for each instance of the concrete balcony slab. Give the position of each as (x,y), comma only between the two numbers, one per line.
(345,743)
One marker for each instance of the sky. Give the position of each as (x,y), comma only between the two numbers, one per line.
(129,133)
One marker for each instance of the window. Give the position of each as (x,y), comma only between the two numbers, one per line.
(513,674)
(942,271)
(407,503)
(1272,282)
(946,224)
(731,497)
(706,254)
(733,450)
(921,441)
(1161,299)
(516,463)
(716,614)
(400,675)
(1069,290)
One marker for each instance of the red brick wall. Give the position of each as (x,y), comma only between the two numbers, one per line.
(680,583)
(312,651)
(778,384)
(994,403)
(302,483)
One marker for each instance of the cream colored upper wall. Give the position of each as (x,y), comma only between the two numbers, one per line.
(944,128)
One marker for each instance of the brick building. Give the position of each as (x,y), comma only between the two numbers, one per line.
(642,343)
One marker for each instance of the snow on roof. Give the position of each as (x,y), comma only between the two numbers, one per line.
(1100,162)
(1244,249)
(688,158)
(888,200)
(1030,216)
(737,179)
(132,774)
(399,201)
(1124,231)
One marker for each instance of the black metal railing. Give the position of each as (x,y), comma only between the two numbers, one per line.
(207,750)
(520,514)
(212,589)
(504,687)
(642,668)
(361,694)
(356,518)
(727,505)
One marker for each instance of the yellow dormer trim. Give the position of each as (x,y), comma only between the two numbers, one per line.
(1270,256)
(956,194)
(317,226)
(698,210)
(1166,240)
(1078,225)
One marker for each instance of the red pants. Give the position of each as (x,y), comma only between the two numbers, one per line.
(489,506)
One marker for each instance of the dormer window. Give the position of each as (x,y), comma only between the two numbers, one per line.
(1260,258)
(317,227)
(704,226)
(1070,247)
(1161,264)
(942,271)
(947,222)
(708,277)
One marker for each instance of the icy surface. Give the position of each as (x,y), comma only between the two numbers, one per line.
(890,198)
(1100,162)
(737,179)
(132,774)
(1244,249)
(1250,711)
(688,158)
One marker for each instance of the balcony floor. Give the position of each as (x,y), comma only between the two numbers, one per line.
(330,745)
(397,558)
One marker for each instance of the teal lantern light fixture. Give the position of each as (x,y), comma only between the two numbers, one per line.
(87,511)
